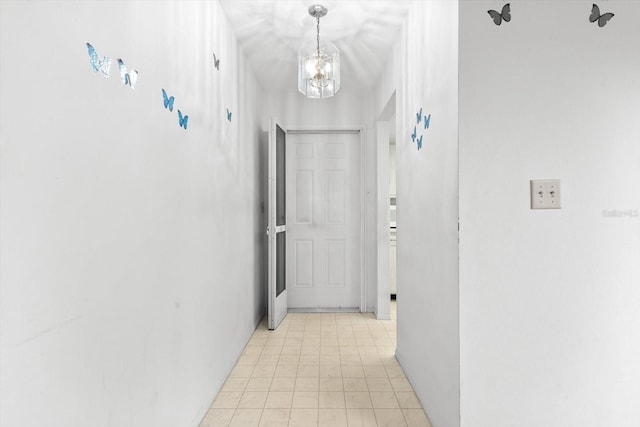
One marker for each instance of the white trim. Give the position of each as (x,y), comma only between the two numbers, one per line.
(325,310)
(363,219)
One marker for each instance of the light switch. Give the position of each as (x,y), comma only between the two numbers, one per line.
(545,194)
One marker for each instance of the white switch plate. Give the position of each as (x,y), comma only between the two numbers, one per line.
(545,194)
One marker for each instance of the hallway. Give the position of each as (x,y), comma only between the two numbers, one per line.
(319,369)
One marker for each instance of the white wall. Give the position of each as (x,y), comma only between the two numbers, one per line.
(131,248)
(423,71)
(549,300)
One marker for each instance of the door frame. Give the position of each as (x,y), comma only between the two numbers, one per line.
(353,129)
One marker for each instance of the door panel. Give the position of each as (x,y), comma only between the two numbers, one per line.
(324,227)
(277,228)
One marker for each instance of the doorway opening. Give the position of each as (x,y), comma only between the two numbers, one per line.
(386,209)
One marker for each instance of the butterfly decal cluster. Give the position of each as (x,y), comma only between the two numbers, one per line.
(422,124)
(601,19)
(129,78)
(168,102)
(595,16)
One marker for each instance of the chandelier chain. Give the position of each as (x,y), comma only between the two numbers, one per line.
(318,36)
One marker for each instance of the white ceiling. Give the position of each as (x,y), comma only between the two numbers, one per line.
(271,33)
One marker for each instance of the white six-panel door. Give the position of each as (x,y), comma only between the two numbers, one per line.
(323,221)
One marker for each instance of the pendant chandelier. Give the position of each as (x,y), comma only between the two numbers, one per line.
(319,68)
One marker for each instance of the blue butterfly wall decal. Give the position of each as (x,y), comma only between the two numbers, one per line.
(216,62)
(427,121)
(103,65)
(596,16)
(414,134)
(128,78)
(420,142)
(168,101)
(228,115)
(419,116)
(504,15)
(182,120)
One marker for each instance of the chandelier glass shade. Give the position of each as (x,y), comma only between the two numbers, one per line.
(318,67)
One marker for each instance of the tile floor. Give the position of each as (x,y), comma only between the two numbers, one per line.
(319,369)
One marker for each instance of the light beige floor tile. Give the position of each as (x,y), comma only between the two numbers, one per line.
(416,418)
(288,359)
(263,371)
(246,418)
(326,350)
(241,371)
(217,418)
(331,399)
(334,371)
(308,371)
(329,340)
(295,334)
(384,400)
(400,384)
(291,350)
(368,359)
(408,399)
(309,359)
(307,384)
(329,359)
(268,359)
(357,399)
(352,371)
(349,349)
(394,371)
(379,384)
(227,399)
(279,399)
(332,418)
(286,371)
(375,371)
(275,417)
(252,350)
(342,363)
(368,349)
(355,384)
(305,399)
(291,341)
(253,399)
(297,325)
(257,340)
(331,384)
(361,417)
(248,359)
(310,348)
(258,384)
(350,359)
(235,384)
(283,384)
(272,349)
(390,418)
(274,340)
